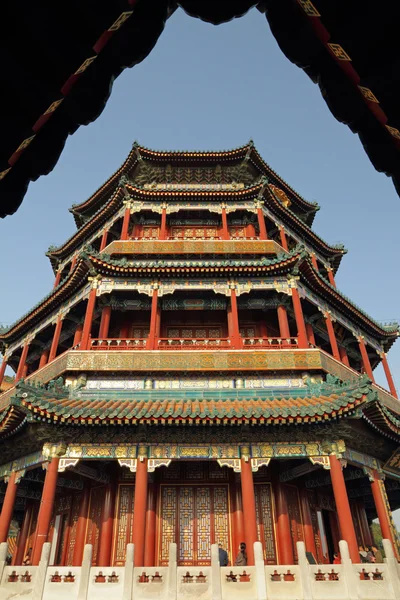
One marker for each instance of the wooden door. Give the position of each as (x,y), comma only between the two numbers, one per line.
(123,522)
(266,522)
(296,521)
(194,517)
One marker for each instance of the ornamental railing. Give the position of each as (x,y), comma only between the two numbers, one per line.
(118,344)
(270,342)
(193,343)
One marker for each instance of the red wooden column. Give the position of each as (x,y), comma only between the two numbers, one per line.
(46,509)
(106,531)
(125,221)
(261,224)
(388,374)
(78,334)
(249,504)
(365,358)
(73,263)
(22,361)
(343,356)
(163,228)
(139,509)
(343,508)
(314,261)
(44,357)
(331,277)
(151,340)
(382,509)
(23,536)
(282,234)
(283,321)
(87,324)
(332,336)
(298,315)
(150,532)
(56,339)
(3,369)
(103,242)
(105,322)
(57,279)
(310,334)
(309,538)
(81,528)
(225,228)
(285,545)
(8,507)
(234,333)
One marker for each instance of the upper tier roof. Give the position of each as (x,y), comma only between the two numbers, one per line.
(58,69)
(91,214)
(181,158)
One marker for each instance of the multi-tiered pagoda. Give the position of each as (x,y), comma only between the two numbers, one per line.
(195,376)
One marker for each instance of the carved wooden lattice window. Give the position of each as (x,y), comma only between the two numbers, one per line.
(296,522)
(198,232)
(265,522)
(194,517)
(124,516)
(194,332)
(237,232)
(76,502)
(94,521)
(248,331)
(138,332)
(150,232)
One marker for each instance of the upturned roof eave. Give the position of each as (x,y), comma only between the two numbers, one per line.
(49,303)
(314,279)
(336,254)
(302,203)
(88,228)
(79,210)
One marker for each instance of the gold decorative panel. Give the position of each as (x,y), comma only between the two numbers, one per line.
(193,247)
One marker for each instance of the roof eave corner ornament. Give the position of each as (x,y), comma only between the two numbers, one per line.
(264,185)
(136,149)
(250,148)
(123,181)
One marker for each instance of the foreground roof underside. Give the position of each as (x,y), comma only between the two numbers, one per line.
(53,87)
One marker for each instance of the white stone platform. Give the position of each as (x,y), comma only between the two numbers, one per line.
(346,581)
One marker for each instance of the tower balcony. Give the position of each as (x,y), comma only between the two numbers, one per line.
(190,343)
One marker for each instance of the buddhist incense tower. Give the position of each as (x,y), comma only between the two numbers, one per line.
(195,376)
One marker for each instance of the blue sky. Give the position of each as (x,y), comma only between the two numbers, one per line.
(206,87)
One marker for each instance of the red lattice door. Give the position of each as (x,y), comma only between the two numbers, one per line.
(124,522)
(194,517)
(296,521)
(94,520)
(265,522)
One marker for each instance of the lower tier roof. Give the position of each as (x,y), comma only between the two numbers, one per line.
(313,404)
